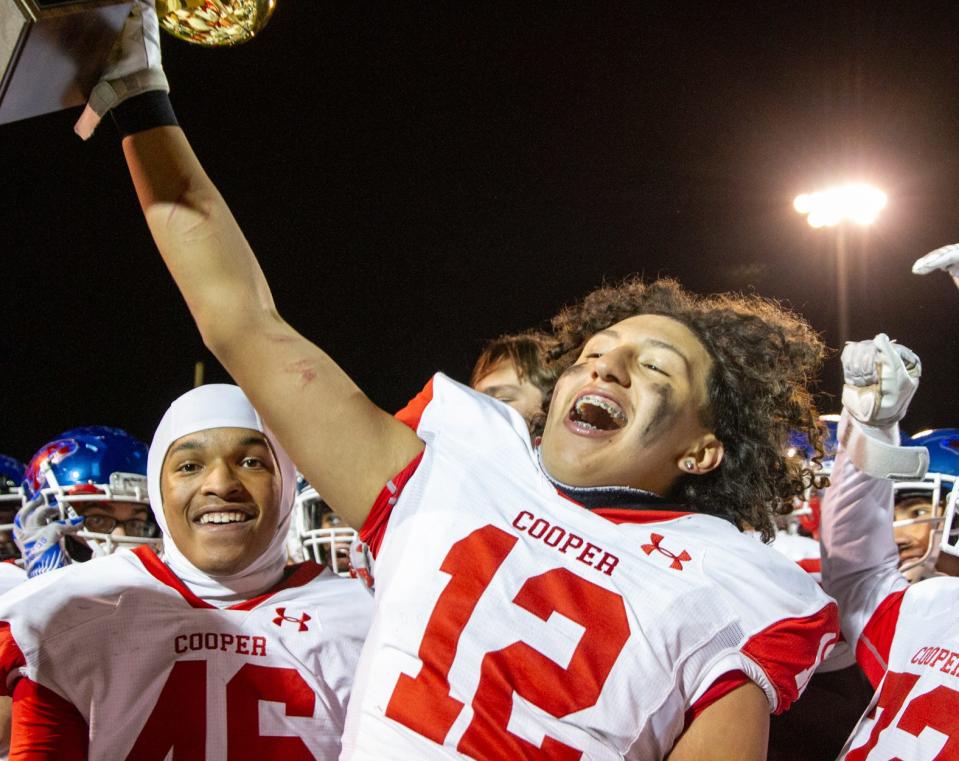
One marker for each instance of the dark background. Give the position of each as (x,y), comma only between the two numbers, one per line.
(418,179)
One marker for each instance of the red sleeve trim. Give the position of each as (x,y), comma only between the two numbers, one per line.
(872,650)
(810,565)
(719,689)
(374,528)
(625,515)
(11,659)
(295,576)
(45,726)
(790,650)
(413,412)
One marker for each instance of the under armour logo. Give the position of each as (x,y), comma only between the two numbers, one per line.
(678,560)
(281,617)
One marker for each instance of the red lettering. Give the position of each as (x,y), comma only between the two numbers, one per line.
(211,641)
(572,542)
(951,663)
(259,646)
(917,658)
(226,641)
(587,555)
(543,525)
(560,533)
(177,647)
(941,656)
(243,644)
(424,703)
(538,679)
(196,641)
(607,564)
(895,690)
(254,683)
(516,520)
(168,729)
(170,733)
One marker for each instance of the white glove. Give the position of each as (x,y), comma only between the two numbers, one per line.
(945,258)
(134,67)
(880,380)
(39,531)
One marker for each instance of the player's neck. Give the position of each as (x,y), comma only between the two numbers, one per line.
(595,497)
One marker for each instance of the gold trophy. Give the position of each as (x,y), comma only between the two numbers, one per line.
(52,51)
(214,23)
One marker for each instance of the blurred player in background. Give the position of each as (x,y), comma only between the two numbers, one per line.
(11,496)
(85,494)
(514,369)
(220,650)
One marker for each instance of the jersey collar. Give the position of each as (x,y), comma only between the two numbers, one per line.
(294,576)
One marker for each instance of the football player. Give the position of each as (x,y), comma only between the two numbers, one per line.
(11,476)
(904,634)
(514,370)
(219,650)
(591,598)
(317,533)
(919,505)
(85,493)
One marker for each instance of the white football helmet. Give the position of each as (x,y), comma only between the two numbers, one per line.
(923,534)
(319,534)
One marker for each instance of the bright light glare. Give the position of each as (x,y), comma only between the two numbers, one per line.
(859,203)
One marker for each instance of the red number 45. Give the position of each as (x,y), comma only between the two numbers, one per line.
(424,704)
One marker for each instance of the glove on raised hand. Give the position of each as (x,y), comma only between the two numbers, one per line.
(38,531)
(945,258)
(880,379)
(134,67)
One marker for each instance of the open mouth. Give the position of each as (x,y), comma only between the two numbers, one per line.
(223,517)
(593,412)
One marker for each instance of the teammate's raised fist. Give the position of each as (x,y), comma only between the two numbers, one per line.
(880,378)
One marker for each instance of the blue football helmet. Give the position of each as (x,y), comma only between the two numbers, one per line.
(11,497)
(317,533)
(91,464)
(928,500)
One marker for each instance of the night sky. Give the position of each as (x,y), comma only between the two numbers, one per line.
(416,180)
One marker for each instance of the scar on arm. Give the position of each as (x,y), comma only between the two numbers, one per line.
(281,338)
(304,368)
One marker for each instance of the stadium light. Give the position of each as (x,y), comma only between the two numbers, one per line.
(858,202)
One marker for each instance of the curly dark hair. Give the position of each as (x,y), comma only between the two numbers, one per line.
(765,361)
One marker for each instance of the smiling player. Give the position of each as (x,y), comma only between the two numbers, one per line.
(592,599)
(220,650)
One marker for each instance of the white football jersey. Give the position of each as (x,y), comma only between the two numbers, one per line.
(906,637)
(914,715)
(805,552)
(11,575)
(154,670)
(514,623)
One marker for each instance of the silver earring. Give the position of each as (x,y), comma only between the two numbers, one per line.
(689,463)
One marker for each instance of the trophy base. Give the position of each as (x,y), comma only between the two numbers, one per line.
(52,52)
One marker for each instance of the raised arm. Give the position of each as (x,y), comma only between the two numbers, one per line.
(859,556)
(345,445)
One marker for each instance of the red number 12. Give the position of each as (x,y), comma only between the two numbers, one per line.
(424,703)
